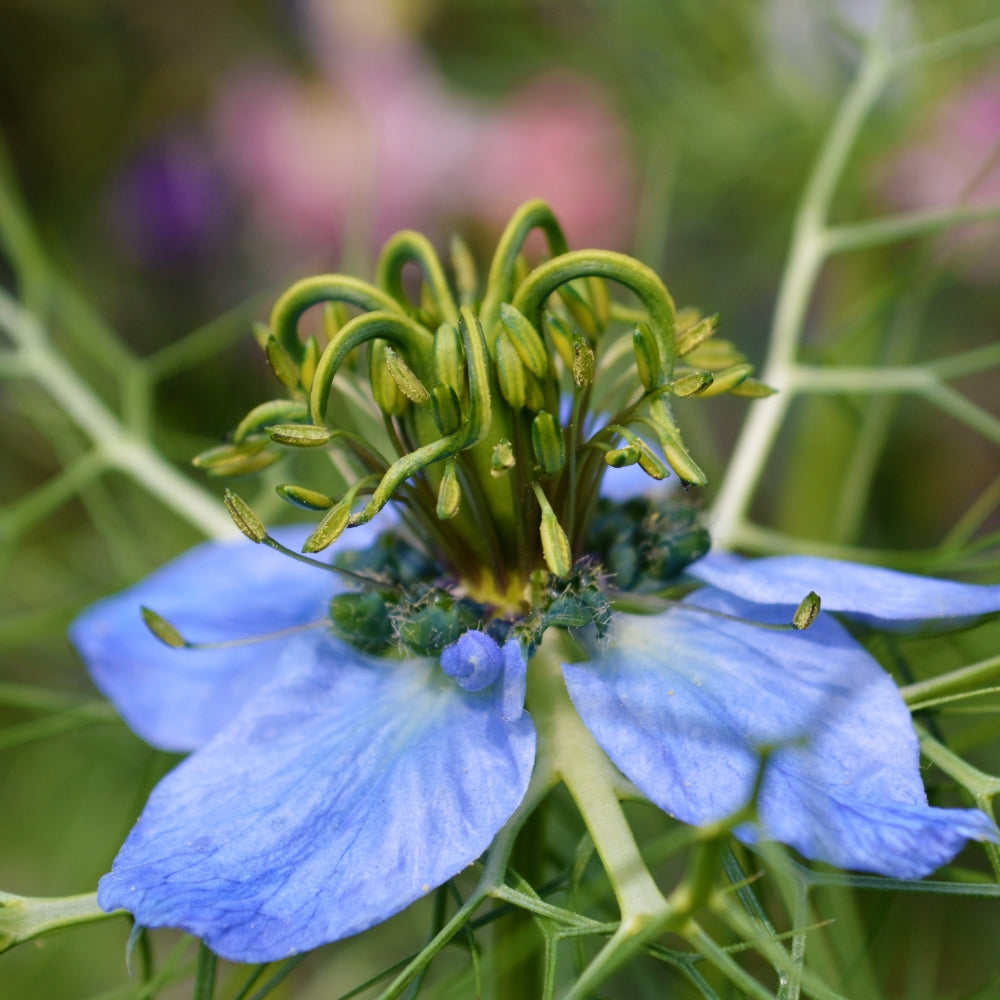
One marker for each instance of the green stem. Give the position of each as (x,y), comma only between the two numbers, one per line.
(24,917)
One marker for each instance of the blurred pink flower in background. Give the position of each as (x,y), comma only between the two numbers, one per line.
(380,141)
(954,161)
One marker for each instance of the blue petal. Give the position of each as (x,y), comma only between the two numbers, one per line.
(514,683)
(474,661)
(347,789)
(871,594)
(684,703)
(177,699)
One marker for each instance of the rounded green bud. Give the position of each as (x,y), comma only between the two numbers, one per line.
(362,620)
(619,458)
(807,612)
(548,443)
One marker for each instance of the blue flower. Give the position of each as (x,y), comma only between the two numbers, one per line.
(328,789)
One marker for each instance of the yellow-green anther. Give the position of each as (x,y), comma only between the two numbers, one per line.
(281,363)
(716,354)
(510,372)
(241,459)
(579,308)
(548,443)
(304,498)
(584,360)
(331,527)
(386,393)
(534,395)
(449,358)
(334,318)
(562,337)
(406,378)
(691,384)
(600,300)
(618,458)
(300,435)
(464,265)
(555,544)
(752,389)
(728,379)
(681,462)
(162,629)
(449,492)
(261,333)
(647,357)
(310,358)
(502,459)
(697,333)
(271,412)
(648,460)
(807,611)
(243,517)
(526,339)
(446,409)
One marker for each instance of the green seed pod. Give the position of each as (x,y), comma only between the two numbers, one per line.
(281,363)
(244,518)
(691,336)
(406,378)
(502,459)
(510,372)
(449,492)
(386,393)
(300,435)
(303,498)
(446,409)
(526,340)
(362,620)
(162,629)
(548,443)
(330,528)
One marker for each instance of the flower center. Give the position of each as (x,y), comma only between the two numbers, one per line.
(490,418)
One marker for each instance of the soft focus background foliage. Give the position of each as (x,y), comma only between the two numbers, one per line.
(181,162)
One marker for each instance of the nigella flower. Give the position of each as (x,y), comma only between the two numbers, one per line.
(375,741)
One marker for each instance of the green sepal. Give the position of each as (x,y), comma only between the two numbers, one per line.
(548,443)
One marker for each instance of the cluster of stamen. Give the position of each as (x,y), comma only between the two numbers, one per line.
(492,415)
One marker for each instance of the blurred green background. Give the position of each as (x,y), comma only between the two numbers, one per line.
(183,162)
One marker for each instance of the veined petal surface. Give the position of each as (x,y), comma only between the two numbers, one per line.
(684,704)
(177,699)
(341,793)
(872,594)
